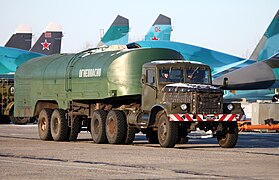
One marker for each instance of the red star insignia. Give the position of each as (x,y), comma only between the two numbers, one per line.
(154,38)
(45,45)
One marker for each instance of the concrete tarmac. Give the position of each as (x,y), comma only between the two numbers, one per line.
(24,156)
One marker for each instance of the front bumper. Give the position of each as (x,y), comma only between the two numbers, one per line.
(205,117)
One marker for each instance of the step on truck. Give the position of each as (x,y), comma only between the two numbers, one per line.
(114,94)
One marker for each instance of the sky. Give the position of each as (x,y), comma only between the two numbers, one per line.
(229,26)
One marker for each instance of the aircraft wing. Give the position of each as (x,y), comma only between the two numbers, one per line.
(11,58)
(219,71)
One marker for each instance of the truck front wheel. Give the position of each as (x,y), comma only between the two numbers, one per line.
(227,138)
(116,127)
(98,126)
(59,125)
(44,124)
(167,131)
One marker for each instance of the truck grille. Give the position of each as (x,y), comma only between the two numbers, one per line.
(178,97)
(207,103)
(200,102)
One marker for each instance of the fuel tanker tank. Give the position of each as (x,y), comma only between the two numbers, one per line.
(88,75)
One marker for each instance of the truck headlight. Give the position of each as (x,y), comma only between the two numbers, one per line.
(230,107)
(183,107)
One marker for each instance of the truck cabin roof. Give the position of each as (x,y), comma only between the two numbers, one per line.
(176,63)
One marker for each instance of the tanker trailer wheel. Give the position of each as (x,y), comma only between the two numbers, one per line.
(131,133)
(227,138)
(59,125)
(167,131)
(116,127)
(98,126)
(19,120)
(75,129)
(44,124)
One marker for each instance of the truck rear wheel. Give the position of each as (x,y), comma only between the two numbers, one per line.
(116,127)
(75,129)
(98,126)
(44,124)
(228,137)
(167,131)
(59,125)
(131,133)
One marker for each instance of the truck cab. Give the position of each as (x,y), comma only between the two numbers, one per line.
(182,92)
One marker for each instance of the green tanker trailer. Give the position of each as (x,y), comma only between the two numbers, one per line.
(115,94)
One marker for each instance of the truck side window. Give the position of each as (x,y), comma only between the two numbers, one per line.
(150,76)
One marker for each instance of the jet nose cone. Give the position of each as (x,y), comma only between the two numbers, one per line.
(259,75)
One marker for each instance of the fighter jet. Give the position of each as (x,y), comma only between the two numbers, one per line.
(221,63)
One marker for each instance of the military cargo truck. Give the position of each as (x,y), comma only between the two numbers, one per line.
(7,101)
(115,94)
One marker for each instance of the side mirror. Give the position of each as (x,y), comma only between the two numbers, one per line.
(225,82)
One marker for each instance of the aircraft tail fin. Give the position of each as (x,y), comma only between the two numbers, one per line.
(21,39)
(117,34)
(160,30)
(50,40)
(269,43)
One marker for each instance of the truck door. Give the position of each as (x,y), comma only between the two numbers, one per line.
(149,89)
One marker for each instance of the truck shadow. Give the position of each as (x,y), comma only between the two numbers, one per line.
(250,140)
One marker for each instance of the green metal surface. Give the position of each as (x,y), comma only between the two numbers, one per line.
(82,76)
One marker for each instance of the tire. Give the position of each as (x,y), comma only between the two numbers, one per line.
(131,133)
(20,120)
(98,126)
(152,137)
(167,132)
(59,125)
(74,129)
(44,124)
(228,137)
(116,127)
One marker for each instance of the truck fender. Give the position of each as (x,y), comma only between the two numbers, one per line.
(154,111)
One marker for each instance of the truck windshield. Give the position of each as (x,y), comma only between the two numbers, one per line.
(198,76)
(171,75)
